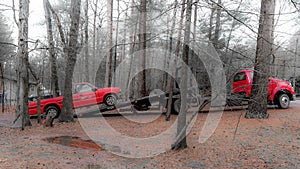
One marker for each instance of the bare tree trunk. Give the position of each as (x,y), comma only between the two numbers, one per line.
(94,35)
(177,51)
(59,26)
(211,18)
(116,41)
(38,84)
(232,28)
(229,60)
(54,78)
(195,20)
(100,73)
(131,51)
(218,26)
(67,111)
(22,116)
(110,44)
(194,33)
(142,47)
(39,119)
(2,87)
(86,51)
(183,84)
(264,50)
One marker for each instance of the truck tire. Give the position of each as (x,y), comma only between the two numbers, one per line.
(283,101)
(176,106)
(236,99)
(52,111)
(110,100)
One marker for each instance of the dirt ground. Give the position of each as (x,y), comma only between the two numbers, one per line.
(256,143)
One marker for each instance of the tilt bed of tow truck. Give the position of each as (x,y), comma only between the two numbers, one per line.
(139,104)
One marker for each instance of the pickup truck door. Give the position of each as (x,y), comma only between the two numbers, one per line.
(84,96)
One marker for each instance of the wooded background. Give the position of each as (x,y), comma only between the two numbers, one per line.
(103,41)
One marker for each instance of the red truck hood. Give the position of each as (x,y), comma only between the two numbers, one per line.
(285,84)
(275,80)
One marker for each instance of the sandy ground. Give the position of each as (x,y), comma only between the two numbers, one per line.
(255,143)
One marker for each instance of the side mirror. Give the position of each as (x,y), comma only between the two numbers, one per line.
(94,89)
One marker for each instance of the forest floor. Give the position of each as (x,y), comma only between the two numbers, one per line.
(236,143)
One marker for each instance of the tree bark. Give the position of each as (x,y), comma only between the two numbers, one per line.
(54,78)
(142,47)
(22,116)
(218,26)
(132,49)
(211,18)
(59,26)
(94,36)
(116,42)
(183,84)
(109,46)
(229,60)
(2,87)
(39,119)
(171,79)
(38,85)
(66,114)
(86,51)
(264,50)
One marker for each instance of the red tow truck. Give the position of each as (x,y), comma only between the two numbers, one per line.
(84,94)
(280,92)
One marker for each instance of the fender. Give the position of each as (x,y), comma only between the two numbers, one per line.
(282,89)
(105,91)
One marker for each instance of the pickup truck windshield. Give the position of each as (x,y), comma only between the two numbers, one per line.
(240,76)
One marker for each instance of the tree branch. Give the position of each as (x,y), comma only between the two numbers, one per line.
(14,13)
(58,23)
(7,43)
(295,5)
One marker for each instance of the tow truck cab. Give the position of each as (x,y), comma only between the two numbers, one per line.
(280,92)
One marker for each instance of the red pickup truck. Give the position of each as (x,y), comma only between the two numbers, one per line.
(84,94)
(280,92)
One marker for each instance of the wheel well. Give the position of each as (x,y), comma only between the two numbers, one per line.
(282,92)
(114,94)
(52,105)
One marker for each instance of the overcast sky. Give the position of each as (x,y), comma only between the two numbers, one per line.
(36,18)
(284,30)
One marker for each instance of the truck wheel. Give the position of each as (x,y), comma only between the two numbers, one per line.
(236,99)
(52,111)
(176,106)
(283,101)
(110,100)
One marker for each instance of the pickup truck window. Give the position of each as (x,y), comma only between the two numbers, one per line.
(80,88)
(239,76)
(85,88)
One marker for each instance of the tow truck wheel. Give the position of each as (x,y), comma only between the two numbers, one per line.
(110,100)
(176,106)
(283,101)
(53,111)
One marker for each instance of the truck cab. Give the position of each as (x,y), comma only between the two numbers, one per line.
(280,92)
(84,94)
